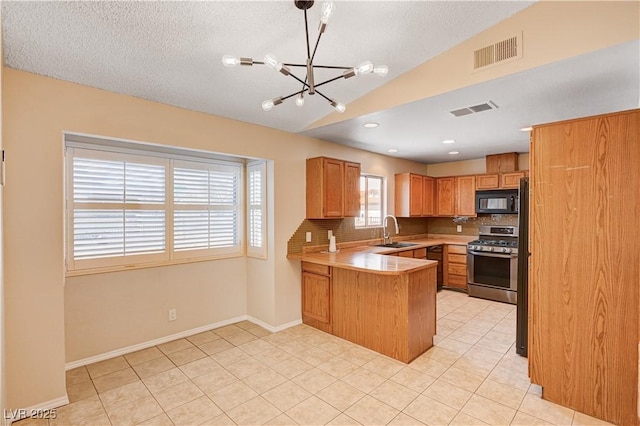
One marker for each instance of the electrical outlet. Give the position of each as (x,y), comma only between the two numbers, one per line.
(173,314)
(459,228)
(308,237)
(330,234)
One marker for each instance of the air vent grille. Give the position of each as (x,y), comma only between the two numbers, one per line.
(474,109)
(510,48)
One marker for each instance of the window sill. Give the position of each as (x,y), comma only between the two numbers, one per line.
(108,269)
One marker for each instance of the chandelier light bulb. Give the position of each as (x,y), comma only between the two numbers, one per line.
(338,106)
(267,105)
(381,70)
(327,10)
(364,68)
(300,100)
(270,103)
(230,61)
(271,61)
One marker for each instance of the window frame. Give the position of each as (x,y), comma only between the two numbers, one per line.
(99,148)
(365,204)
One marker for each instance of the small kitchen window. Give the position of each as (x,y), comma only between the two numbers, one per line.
(372,201)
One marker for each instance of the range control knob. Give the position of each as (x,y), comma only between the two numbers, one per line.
(489,248)
(506,250)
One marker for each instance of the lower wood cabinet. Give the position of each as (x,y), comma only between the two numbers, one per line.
(420,253)
(455,266)
(316,296)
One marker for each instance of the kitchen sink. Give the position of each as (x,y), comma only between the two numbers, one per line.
(396,245)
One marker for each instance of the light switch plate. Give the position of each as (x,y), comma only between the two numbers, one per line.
(330,234)
(459,228)
(308,237)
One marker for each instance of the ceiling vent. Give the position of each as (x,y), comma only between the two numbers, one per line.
(474,109)
(500,52)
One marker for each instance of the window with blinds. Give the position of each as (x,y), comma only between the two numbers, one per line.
(256,209)
(126,209)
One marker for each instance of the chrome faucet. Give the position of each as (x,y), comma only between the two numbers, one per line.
(385,232)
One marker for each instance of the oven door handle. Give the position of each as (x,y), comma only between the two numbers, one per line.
(491,254)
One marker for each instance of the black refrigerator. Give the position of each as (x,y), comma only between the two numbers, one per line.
(522,305)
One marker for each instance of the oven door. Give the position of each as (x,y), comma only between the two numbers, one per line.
(493,270)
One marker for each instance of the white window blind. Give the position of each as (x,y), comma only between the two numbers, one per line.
(207,203)
(125,209)
(256,209)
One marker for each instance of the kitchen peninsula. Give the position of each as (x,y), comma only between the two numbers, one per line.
(385,303)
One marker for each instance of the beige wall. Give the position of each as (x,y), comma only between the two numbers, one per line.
(552,30)
(49,323)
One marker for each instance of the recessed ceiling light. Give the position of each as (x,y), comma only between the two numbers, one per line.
(526,129)
(370,125)
(449,141)
(453,152)
(392,150)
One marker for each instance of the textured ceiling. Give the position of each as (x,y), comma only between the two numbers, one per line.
(170,52)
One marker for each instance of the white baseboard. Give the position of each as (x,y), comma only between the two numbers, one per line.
(11,416)
(133,348)
(272,328)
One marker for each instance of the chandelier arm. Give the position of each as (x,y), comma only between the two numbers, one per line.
(316,47)
(306,30)
(328,99)
(294,93)
(329,81)
(317,66)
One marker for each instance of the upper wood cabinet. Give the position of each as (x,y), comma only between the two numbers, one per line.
(446,198)
(414,195)
(502,163)
(428,196)
(511,180)
(500,180)
(491,181)
(466,196)
(333,188)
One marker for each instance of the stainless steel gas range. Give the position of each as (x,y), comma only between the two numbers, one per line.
(492,264)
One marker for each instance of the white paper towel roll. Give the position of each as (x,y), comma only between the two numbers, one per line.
(332,244)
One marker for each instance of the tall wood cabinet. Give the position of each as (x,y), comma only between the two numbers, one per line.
(414,195)
(585,264)
(333,188)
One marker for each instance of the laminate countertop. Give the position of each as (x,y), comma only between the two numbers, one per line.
(371,258)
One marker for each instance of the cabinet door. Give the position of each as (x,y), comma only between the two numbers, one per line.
(428,196)
(415,197)
(511,180)
(333,176)
(488,181)
(445,190)
(466,196)
(351,189)
(316,297)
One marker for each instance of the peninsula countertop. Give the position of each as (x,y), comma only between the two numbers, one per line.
(372,258)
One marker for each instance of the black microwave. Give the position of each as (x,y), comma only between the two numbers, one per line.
(499,201)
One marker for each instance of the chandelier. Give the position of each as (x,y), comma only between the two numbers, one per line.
(308,84)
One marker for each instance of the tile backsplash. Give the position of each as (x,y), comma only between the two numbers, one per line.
(345,231)
(446,225)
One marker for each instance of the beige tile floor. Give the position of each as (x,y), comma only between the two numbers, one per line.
(242,374)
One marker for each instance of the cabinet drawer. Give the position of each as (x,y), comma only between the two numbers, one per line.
(457,269)
(457,258)
(316,269)
(457,249)
(459,281)
(420,253)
